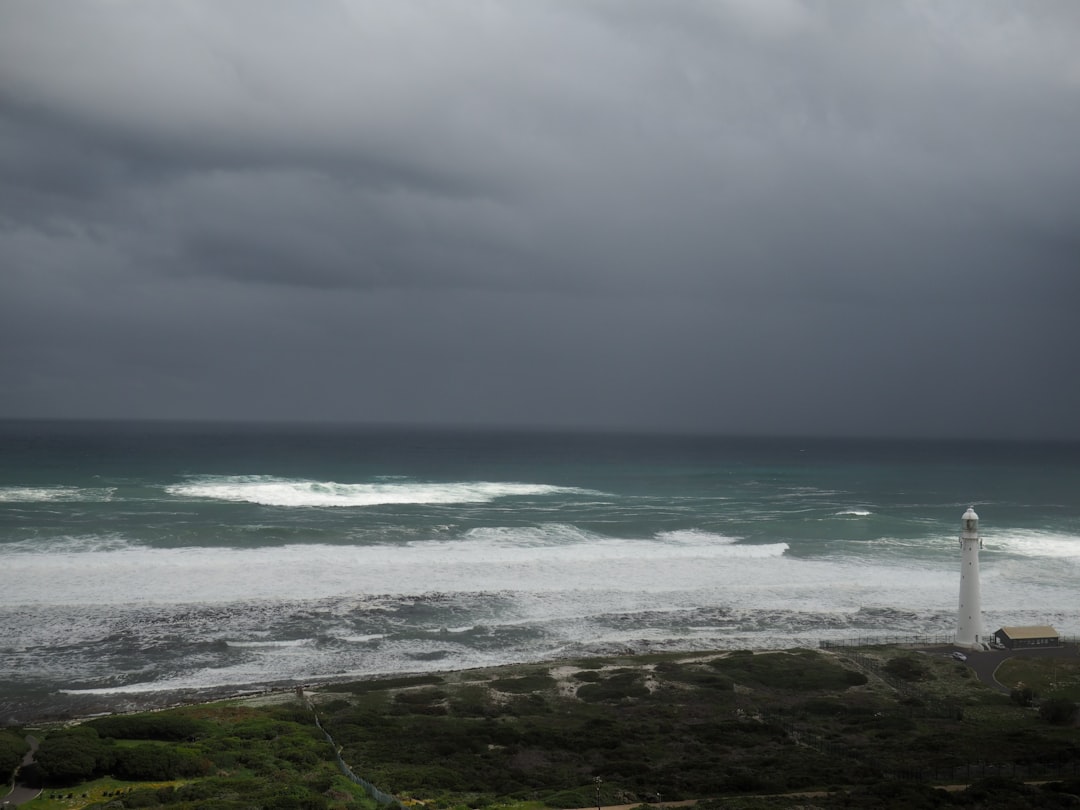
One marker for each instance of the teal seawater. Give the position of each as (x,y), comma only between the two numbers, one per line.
(150,559)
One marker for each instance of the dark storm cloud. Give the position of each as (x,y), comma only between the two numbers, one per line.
(754,215)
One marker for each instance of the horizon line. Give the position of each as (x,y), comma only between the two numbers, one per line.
(527,428)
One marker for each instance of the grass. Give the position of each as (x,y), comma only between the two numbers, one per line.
(1048,677)
(98,790)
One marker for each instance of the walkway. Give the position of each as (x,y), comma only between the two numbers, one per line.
(21,794)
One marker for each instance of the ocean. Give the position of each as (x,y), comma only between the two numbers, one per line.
(144,563)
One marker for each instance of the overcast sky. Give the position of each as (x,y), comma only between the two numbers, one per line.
(763,216)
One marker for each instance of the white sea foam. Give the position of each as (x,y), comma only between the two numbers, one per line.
(549,534)
(550,558)
(854,513)
(488,596)
(695,537)
(55,494)
(555,557)
(709,604)
(272,491)
(66,544)
(299,642)
(1035,544)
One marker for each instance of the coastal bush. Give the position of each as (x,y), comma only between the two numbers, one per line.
(1022,696)
(826,706)
(1058,711)
(147,797)
(12,750)
(908,668)
(748,780)
(527,684)
(689,737)
(72,755)
(900,795)
(621,685)
(260,728)
(693,675)
(167,726)
(421,701)
(157,763)
(588,676)
(420,696)
(802,670)
(473,701)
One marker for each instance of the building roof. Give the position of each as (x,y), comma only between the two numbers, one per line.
(1034,631)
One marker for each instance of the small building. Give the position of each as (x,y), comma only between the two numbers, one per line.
(1019,638)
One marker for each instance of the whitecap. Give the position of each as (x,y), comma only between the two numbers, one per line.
(66,544)
(299,642)
(696,537)
(55,494)
(268,490)
(1035,544)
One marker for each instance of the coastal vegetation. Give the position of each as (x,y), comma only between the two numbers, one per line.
(617,730)
(12,749)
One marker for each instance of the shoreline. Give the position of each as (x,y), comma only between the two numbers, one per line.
(77,708)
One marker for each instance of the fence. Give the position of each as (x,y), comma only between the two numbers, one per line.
(885,641)
(372,791)
(909,641)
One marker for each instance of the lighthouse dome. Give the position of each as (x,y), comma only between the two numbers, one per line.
(970,525)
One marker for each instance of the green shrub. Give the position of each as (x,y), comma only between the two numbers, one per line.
(166,726)
(620,685)
(803,670)
(527,684)
(157,763)
(419,697)
(73,755)
(908,668)
(1023,696)
(12,750)
(1058,711)
(142,798)
(694,675)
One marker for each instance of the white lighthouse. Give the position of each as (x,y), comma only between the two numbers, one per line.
(969,628)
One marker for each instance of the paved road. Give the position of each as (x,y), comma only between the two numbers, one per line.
(21,794)
(985,663)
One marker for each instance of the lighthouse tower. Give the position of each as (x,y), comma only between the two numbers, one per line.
(969,628)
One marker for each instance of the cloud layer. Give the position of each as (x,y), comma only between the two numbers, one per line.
(745,216)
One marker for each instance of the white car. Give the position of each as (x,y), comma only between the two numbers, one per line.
(959,656)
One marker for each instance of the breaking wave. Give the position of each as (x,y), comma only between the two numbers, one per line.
(1036,544)
(553,557)
(268,490)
